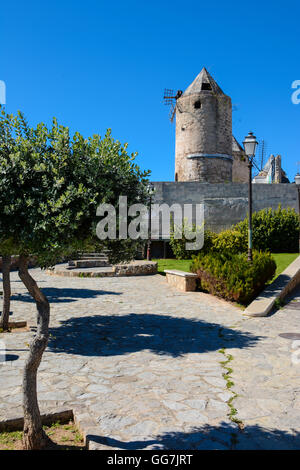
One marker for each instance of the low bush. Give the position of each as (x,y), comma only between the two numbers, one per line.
(178,245)
(231,276)
(230,241)
(274,230)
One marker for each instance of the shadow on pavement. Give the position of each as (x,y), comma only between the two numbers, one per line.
(161,334)
(223,437)
(64,295)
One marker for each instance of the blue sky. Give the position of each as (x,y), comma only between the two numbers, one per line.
(96,64)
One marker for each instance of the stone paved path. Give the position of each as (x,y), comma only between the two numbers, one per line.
(143,363)
(267,380)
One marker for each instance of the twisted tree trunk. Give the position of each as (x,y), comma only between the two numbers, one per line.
(34,436)
(4,320)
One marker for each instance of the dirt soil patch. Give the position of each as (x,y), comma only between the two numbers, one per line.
(63,437)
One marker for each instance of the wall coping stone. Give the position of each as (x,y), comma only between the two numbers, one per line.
(176,272)
(280,287)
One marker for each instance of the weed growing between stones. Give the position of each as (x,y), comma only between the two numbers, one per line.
(229,384)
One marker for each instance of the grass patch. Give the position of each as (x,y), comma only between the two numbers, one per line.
(9,440)
(279,303)
(63,437)
(180,264)
(282,261)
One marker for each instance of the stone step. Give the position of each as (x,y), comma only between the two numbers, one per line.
(88,263)
(93,255)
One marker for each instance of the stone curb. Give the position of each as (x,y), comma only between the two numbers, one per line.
(176,272)
(119,270)
(17,324)
(16,423)
(82,419)
(278,290)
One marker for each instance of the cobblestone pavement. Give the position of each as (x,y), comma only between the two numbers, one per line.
(267,381)
(150,367)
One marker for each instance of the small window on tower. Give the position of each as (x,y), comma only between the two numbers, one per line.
(206,86)
(197,104)
(176,176)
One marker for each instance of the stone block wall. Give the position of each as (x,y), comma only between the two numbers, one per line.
(226,204)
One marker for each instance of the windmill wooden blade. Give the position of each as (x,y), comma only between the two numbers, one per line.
(172,112)
(170,99)
(169,96)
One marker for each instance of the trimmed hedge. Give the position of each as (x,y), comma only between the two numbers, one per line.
(231,276)
(273,230)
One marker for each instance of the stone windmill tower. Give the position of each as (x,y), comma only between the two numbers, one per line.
(203,132)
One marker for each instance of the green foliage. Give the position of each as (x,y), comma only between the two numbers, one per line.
(273,230)
(231,241)
(231,276)
(52,183)
(180,236)
(279,303)
(7,246)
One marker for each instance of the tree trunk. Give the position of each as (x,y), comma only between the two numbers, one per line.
(34,437)
(4,320)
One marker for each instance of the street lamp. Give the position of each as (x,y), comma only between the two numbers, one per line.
(297,181)
(250,149)
(150,189)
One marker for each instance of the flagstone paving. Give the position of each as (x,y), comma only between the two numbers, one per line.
(144,365)
(267,381)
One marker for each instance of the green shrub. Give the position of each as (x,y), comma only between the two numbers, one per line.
(273,230)
(178,245)
(230,241)
(231,276)
(276,231)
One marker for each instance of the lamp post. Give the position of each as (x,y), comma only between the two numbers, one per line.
(250,149)
(150,189)
(297,181)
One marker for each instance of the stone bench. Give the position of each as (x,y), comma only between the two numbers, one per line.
(182,280)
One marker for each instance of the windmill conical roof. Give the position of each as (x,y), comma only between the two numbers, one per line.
(203,78)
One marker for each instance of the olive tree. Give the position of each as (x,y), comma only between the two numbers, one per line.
(7,145)
(54,184)
(5,251)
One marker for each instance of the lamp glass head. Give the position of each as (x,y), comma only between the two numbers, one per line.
(250,145)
